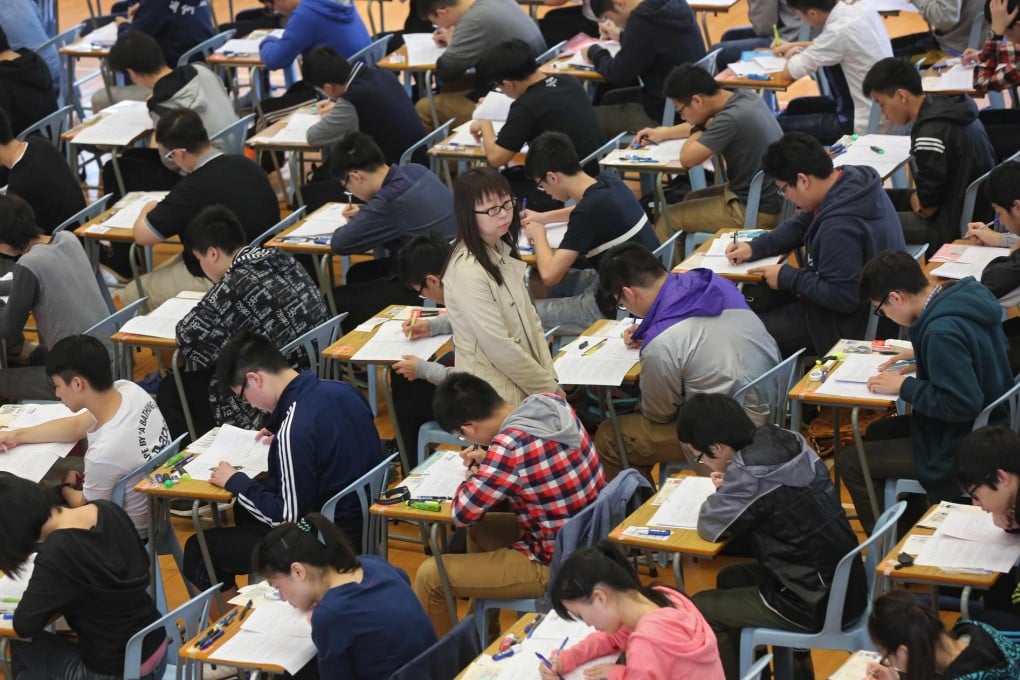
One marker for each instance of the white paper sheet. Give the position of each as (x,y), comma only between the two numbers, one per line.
(580,55)
(747,68)
(162,321)
(896,151)
(666,490)
(617,328)
(442,477)
(462,134)
(914,544)
(891,6)
(322,222)
(975,526)
(390,344)
(296,129)
(495,106)
(117,125)
(858,368)
(660,154)
(259,649)
(278,618)
(236,446)
(607,365)
(719,245)
(240,46)
(954,79)
(104,36)
(27,415)
(856,666)
(128,209)
(33,461)
(852,390)
(954,553)
(554,233)
(259,594)
(683,506)
(722,266)
(771,64)
(422,50)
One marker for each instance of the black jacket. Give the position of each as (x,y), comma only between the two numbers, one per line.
(26,89)
(951,149)
(659,35)
(778,495)
(1002,275)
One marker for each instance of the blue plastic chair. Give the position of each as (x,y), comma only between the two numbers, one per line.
(180,625)
(427,142)
(368,487)
(833,634)
(205,48)
(371,54)
(666,252)
(550,53)
(50,126)
(313,342)
(286,223)
(754,672)
(604,150)
(446,658)
(231,138)
(121,358)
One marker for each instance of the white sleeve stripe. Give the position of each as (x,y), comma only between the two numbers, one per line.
(254,510)
(288,488)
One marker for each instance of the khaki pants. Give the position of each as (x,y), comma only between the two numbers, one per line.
(490,569)
(709,210)
(647,444)
(164,282)
(449,105)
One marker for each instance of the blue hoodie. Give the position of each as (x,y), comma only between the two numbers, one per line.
(313,23)
(855,221)
(699,292)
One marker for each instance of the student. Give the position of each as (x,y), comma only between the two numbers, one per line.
(479,24)
(763,15)
(659,629)
(771,488)
(39,174)
(915,645)
(352,601)
(321,439)
(655,36)
(177,25)
(26,89)
(696,335)
(90,567)
(122,424)
(949,145)
(213,178)
(961,362)
(541,102)
(605,214)
(55,283)
(536,458)
(997,67)
(496,331)
(259,289)
(563,23)
(400,202)
(311,23)
(845,219)
(987,468)
(23,23)
(362,98)
(853,38)
(737,125)
(1001,275)
(949,28)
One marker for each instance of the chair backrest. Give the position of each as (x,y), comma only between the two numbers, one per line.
(754,200)
(367,488)
(971,194)
(231,138)
(754,672)
(60,39)
(877,546)
(286,223)
(1011,399)
(773,387)
(709,62)
(89,212)
(206,47)
(370,55)
(313,342)
(427,142)
(604,150)
(120,356)
(666,252)
(181,625)
(154,463)
(550,53)
(446,658)
(50,126)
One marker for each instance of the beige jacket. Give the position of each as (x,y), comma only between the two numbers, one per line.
(497,334)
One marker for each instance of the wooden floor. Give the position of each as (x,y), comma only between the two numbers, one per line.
(699,575)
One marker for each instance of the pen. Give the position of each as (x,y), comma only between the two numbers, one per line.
(775,36)
(595,346)
(548,664)
(652,532)
(415,313)
(734,239)
(217,634)
(988,225)
(10,600)
(562,645)
(506,654)
(225,621)
(529,629)
(950,50)
(583,345)
(524,204)
(236,467)
(877,150)
(247,608)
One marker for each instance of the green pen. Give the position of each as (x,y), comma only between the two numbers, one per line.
(775,34)
(10,600)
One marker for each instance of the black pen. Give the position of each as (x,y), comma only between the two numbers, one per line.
(245,611)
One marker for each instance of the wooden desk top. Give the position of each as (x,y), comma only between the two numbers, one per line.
(192,489)
(190,649)
(704,247)
(143,340)
(805,388)
(516,629)
(69,135)
(447,149)
(83,48)
(347,346)
(405,511)
(560,66)
(397,61)
(252,60)
(775,81)
(264,139)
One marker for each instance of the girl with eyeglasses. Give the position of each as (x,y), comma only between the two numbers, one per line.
(916,646)
(497,334)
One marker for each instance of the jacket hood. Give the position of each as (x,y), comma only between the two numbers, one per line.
(30,71)
(779,456)
(967,300)
(668,14)
(955,108)
(688,636)
(331,10)
(547,417)
(698,292)
(857,194)
(103,575)
(183,86)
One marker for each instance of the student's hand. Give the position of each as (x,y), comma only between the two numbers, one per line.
(407,367)
(786,49)
(600,672)
(472,456)
(738,253)
(534,216)
(1000,15)
(120,20)
(876,671)
(222,474)
(920,210)
(535,231)
(553,673)
(9,439)
(609,31)
(970,56)
(769,272)
(979,234)
(74,478)
(886,382)
(903,355)
(418,330)
(324,107)
(717,478)
(628,336)
(1006,521)
(443,36)
(350,210)
(133,10)
(264,436)
(649,135)
(476,130)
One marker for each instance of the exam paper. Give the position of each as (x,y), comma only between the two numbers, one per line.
(322,222)
(443,476)
(33,461)
(554,233)
(747,68)
(162,321)
(771,64)
(117,125)
(278,618)
(606,365)
(683,506)
(104,36)
(235,446)
(260,649)
(954,79)
(896,150)
(858,368)
(296,130)
(494,106)
(390,344)
(949,553)
(722,266)
(719,245)
(27,415)
(856,666)
(422,49)
(259,594)
(462,134)
(128,209)
(975,526)
(666,490)
(891,6)
(240,46)
(580,55)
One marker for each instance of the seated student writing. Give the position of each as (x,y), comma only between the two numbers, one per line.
(123,426)
(92,568)
(605,214)
(916,646)
(997,67)
(321,439)
(310,23)
(353,601)
(537,458)
(658,629)
(960,352)
(949,146)
(846,219)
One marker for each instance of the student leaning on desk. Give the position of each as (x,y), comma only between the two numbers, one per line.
(997,67)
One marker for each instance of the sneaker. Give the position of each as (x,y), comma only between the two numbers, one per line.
(151,382)
(214,672)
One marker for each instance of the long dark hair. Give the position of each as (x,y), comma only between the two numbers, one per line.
(300,542)
(471,187)
(897,619)
(604,564)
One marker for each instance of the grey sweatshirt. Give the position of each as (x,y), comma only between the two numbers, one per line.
(951,21)
(433,371)
(545,418)
(484,24)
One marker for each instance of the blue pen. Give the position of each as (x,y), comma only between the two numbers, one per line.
(950,50)
(548,664)
(524,204)
(8,616)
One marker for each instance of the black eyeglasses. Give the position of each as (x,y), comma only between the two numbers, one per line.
(495,210)
(698,458)
(782,189)
(987,480)
(240,395)
(878,309)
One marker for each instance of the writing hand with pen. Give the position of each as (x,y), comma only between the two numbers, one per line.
(222,473)
(472,457)
(628,336)
(892,373)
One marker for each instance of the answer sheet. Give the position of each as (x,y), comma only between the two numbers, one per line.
(554,233)
(495,106)
(236,446)
(683,506)
(422,49)
(33,461)
(322,222)
(444,474)
(117,125)
(261,649)
(957,78)
(722,265)
(597,363)
(390,344)
(127,210)
(162,321)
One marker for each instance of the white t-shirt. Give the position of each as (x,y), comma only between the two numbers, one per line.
(134,435)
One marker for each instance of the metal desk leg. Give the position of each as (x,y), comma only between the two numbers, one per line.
(387,391)
(179,382)
(203,547)
(965,603)
(322,270)
(617,433)
(443,578)
(678,571)
(427,84)
(872,498)
(704,29)
(5,664)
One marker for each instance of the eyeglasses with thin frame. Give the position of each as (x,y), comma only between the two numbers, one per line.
(984,482)
(697,459)
(418,288)
(680,109)
(169,155)
(783,189)
(240,395)
(507,206)
(878,309)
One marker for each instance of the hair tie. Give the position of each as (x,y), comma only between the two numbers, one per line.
(303,525)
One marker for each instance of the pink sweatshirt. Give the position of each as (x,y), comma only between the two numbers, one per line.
(670,643)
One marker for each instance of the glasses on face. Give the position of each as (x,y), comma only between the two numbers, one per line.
(495,211)
(240,395)
(878,309)
(680,109)
(419,289)
(697,459)
(619,305)
(169,155)
(540,182)
(782,189)
(987,480)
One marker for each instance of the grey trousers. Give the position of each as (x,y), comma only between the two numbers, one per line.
(571,304)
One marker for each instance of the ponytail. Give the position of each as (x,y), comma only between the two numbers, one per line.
(897,619)
(603,564)
(313,540)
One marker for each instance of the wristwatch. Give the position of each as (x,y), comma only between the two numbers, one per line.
(993,36)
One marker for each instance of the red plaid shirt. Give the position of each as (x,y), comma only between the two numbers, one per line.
(988,75)
(545,482)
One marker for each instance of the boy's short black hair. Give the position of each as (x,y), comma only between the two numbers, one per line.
(427,8)
(24,508)
(137,51)
(795,153)
(551,152)
(1011,6)
(17,222)
(891,270)
(983,452)
(805,5)
(706,419)
(628,264)
(323,65)
(214,227)
(510,60)
(1003,185)
(423,255)
(687,80)
(463,398)
(356,151)
(82,356)
(891,74)
(181,129)
(600,7)
(247,352)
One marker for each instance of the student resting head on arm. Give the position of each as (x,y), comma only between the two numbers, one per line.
(659,629)
(353,601)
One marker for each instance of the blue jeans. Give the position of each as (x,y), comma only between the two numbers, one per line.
(735,42)
(52,657)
